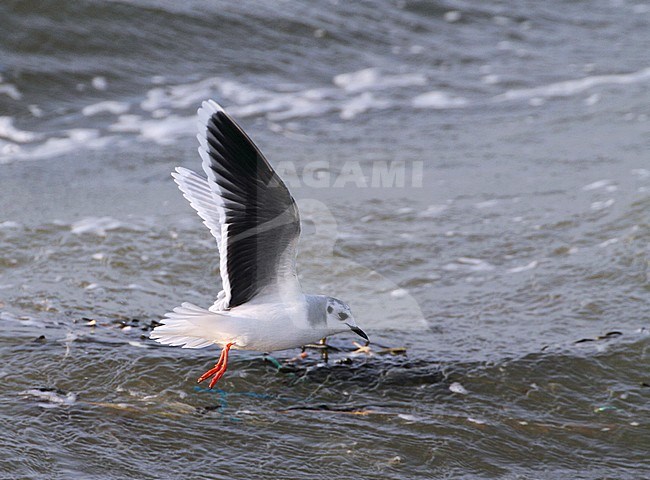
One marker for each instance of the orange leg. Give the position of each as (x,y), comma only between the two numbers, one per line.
(220,367)
(214,370)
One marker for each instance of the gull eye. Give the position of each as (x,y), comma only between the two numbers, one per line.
(329,309)
(343,316)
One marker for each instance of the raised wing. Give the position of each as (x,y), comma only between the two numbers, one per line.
(247,208)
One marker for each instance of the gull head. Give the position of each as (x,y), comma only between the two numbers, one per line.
(340,316)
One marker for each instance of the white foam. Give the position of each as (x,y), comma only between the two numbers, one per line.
(99,83)
(191,94)
(433,211)
(95,225)
(361,104)
(52,396)
(285,106)
(258,108)
(490,79)
(572,87)
(167,130)
(76,138)
(243,101)
(501,20)
(35,110)
(8,131)
(126,123)
(608,242)
(452,16)
(602,205)
(167,115)
(116,108)
(408,417)
(438,100)
(641,172)
(156,98)
(240,93)
(470,264)
(164,131)
(373,79)
(456,387)
(301,108)
(10,90)
(288,102)
(523,268)
(160,113)
(8,150)
(597,184)
(478,421)
(399,293)
(9,224)
(487,204)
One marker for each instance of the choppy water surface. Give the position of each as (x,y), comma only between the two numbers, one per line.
(508,252)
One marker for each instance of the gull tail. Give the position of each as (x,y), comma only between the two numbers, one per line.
(188,326)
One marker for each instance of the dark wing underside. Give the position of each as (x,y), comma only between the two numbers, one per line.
(259,219)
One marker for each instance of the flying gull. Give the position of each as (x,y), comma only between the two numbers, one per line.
(255,220)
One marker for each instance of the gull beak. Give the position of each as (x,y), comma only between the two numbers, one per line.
(359,332)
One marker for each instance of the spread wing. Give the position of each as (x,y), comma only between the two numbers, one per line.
(247,208)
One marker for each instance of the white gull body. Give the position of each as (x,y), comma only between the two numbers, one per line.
(256,224)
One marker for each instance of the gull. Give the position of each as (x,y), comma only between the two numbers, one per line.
(255,221)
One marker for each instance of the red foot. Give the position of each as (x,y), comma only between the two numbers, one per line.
(220,367)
